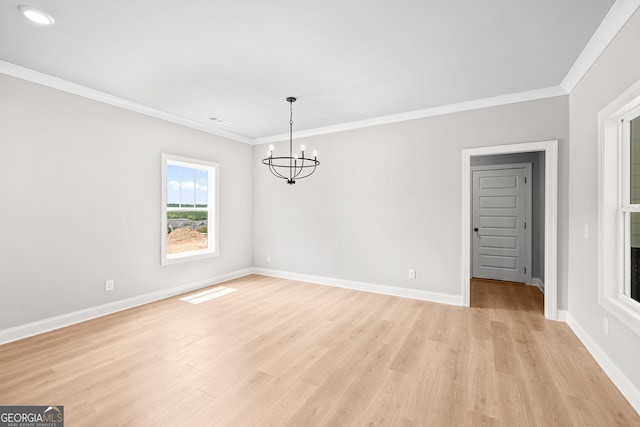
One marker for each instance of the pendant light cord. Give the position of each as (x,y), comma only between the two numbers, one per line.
(290,139)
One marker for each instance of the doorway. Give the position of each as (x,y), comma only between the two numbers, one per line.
(549,261)
(502,221)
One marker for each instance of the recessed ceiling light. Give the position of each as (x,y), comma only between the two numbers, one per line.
(219,121)
(36,15)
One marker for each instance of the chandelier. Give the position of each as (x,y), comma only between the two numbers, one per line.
(291,167)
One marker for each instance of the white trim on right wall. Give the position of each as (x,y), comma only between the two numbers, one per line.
(611,237)
(550,148)
(629,390)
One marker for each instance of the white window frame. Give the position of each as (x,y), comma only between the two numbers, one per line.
(213,209)
(615,208)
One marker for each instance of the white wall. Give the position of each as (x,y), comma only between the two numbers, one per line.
(80,193)
(615,71)
(388,198)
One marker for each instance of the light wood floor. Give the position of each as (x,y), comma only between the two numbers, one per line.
(278,352)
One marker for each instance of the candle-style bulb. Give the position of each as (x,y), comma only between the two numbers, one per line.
(315,154)
(271,148)
(302,148)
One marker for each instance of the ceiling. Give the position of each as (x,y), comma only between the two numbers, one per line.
(346,61)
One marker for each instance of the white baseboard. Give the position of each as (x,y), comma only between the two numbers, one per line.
(366,287)
(626,387)
(46,325)
(563,315)
(539,283)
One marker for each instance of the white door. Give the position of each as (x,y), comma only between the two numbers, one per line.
(501,229)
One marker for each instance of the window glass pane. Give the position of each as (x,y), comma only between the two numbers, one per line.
(634,222)
(635,161)
(173,186)
(187,189)
(191,201)
(187,231)
(202,191)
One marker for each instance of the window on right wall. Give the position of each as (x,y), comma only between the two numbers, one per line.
(631,206)
(619,200)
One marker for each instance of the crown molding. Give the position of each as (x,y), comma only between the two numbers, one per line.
(619,14)
(76,89)
(511,98)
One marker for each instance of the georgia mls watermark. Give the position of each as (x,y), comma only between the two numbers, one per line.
(31,416)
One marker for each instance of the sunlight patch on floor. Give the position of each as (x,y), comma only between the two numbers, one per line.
(216,292)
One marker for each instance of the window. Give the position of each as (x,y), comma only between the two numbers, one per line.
(631,204)
(189,209)
(619,279)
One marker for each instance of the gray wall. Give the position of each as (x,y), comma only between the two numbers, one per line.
(388,198)
(537,199)
(616,70)
(80,192)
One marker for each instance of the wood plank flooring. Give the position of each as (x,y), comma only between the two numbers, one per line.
(285,353)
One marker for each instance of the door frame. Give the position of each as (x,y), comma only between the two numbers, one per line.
(550,148)
(528,167)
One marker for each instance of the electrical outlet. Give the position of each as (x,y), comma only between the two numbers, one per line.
(108,285)
(412,273)
(605,326)
(269,258)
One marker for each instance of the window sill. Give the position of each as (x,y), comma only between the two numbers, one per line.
(624,309)
(187,257)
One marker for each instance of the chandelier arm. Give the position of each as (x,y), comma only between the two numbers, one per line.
(315,165)
(275,172)
(299,169)
(272,168)
(309,174)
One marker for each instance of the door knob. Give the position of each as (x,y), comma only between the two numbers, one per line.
(475,229)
